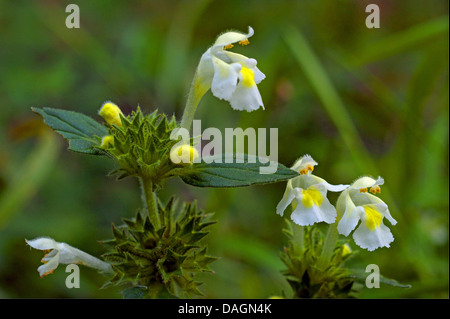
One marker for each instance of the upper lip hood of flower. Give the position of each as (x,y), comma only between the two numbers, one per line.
(366,182)
(304,164)
(231,37)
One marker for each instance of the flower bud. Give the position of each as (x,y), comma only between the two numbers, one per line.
(111,113)
(185,154)
(107,141)
(346,250)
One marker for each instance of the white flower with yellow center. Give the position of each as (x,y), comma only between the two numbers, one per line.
(307,194)
(62,253)
(356,204)
(230,76)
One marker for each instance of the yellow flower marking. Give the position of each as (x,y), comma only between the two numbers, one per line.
(228,46)
(373,218)
(248,77)
(363,190)
(311,197)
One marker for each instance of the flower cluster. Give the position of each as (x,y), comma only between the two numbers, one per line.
(307,196)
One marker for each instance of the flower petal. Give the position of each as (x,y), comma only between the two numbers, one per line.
(310,211)
(225,79)
(246,97)
(331,187)
(371,240)
(246,62)
(49,267)
(42,243)
(350,217)
(303,163)
(372,233)
(205,72)
(389,217)
(371,199)
(287,199)
(69,254)
(366,182)
(50,255)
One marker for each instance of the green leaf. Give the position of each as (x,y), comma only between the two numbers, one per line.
(360,275)
(229,173)
(80,130)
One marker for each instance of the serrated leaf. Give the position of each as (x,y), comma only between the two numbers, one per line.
(230,173)
(80,130)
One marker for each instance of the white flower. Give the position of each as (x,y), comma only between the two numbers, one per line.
(308,195)
(62,253)
(356,204)
(230,76)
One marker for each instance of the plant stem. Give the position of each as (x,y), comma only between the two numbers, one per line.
(328,246)
(150,204)
(195,95)
(298,234)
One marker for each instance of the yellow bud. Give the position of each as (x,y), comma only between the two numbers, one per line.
(107,141)
(185,154)
(346,250)
(111,113)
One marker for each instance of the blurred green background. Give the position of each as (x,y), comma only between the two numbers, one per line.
(359,100)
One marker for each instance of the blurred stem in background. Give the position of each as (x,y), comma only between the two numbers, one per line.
(327,93)
(27,179)
(175,50)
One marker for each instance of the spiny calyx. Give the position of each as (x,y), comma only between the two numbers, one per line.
(141,145)
(162,260)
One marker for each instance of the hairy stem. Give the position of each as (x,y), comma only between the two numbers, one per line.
(298,233)
(195,95)
(149,197)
